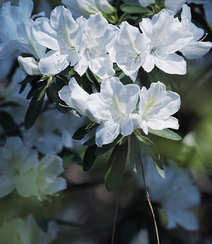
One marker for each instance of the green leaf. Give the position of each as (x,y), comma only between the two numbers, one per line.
(29,79)
(135,9)
(147,146)
(53,92)
(90,76)
(166,133)
(90,142)
(81,132)
(159,167)
(135,153)
(35,207)
(116,166)
(105,148)
(89,157)
(35,107)
(85,84)
(67,159)
(157,75)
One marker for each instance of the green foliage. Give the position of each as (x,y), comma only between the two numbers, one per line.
(53,92)
(81,132)
(35,106)
(136,9)
(116,166)
(166,133)
(105,148)
(158,75)
(147,146)
(135,153)
(89,157)
(7,123)
(33,206)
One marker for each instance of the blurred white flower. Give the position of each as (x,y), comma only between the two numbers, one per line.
(176,193)
(26,231)
(50,137)
(195,48)
(16,30)
(145,3)
(21,169)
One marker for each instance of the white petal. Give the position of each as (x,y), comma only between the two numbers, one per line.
(102,67)
(53,62)
(44,34)
(107,133)
(25,184)
(173,64)
(7,48)
(196,49)
(74,96)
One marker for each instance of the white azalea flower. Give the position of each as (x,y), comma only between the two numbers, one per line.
(75,97)
(166,36)
(156,107)
(145,3)
(16,30)
(175,6)
(195,48)
(61,36)
(111,108)
(21,170)
(26,231)
(128,49)
(94,55)
(88,7)
(176,193)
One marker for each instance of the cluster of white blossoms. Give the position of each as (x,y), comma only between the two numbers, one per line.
(21,170)
(86,38)
(114,108)
(93,43)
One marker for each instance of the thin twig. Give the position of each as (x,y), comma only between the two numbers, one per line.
(150,205)
(116,211)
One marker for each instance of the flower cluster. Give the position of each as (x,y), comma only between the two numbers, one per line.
(22,170)
(114,108)
(93,43)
